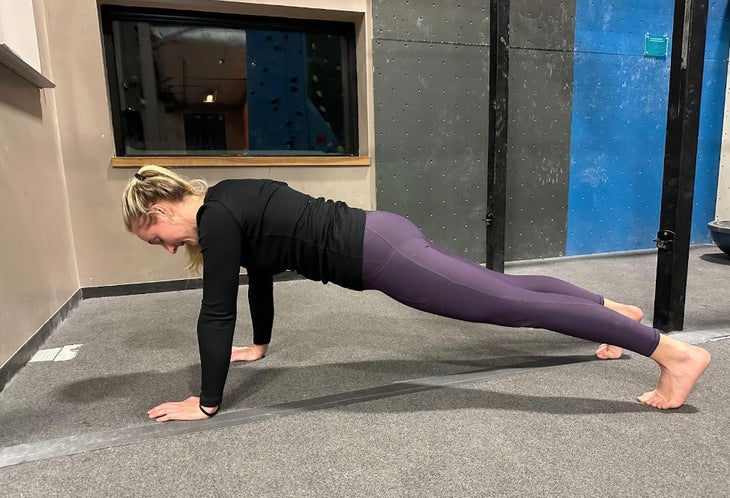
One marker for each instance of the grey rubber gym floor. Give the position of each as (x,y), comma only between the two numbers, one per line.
(361,396)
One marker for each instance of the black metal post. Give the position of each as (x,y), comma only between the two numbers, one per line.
(497,150)
(680,158)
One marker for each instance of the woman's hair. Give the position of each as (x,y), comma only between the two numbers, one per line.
(152,184)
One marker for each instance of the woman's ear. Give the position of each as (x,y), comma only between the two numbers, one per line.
(160,210)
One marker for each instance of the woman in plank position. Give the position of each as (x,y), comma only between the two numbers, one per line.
(268,228)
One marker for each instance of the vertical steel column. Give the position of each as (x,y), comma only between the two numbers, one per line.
(680,158)
(497,152)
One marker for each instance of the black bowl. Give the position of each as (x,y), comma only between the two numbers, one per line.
(720,231)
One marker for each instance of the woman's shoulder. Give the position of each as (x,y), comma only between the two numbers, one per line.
(242,196)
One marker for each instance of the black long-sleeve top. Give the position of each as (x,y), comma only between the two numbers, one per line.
(266,227)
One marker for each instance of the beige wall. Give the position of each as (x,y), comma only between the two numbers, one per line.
(17,30)
(722,212)
(37,269)
(106,254)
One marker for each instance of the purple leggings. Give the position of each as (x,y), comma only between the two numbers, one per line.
(400,262)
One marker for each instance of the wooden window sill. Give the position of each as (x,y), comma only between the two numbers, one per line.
(239,162)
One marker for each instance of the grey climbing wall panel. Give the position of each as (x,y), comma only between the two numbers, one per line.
(431,141)
(541,76)
(431,64)
(431,118)
(539,154)
(542,24)
(461,22)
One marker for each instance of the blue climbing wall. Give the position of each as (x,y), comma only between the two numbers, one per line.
(619,123)
(281,115)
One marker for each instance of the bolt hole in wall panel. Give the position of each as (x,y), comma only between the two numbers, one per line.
(619,124)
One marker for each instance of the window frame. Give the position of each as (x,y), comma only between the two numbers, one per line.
(111,13)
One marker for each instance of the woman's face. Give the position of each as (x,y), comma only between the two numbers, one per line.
(167,231)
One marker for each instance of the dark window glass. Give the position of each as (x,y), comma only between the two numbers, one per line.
(188,84)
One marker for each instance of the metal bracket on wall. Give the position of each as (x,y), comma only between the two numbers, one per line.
(489,219)
(665,240)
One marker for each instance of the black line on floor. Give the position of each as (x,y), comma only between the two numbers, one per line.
(82,443)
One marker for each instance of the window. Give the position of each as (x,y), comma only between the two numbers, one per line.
(188,83)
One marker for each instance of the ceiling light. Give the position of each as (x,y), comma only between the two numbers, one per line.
(210,97)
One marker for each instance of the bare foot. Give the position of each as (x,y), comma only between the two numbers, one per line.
(627,310)
(250,353)
(607,351)
(681,365)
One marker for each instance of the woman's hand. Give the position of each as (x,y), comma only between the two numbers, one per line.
(181,410)
(250,353)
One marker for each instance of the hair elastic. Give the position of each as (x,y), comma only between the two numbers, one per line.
(139,177)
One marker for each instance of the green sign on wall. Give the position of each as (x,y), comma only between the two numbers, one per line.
(655,46)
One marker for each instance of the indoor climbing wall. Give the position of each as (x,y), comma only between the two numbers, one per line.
(282,112)
(431,117)
(587,118)
(539,114)
(619,122)
(431,121)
